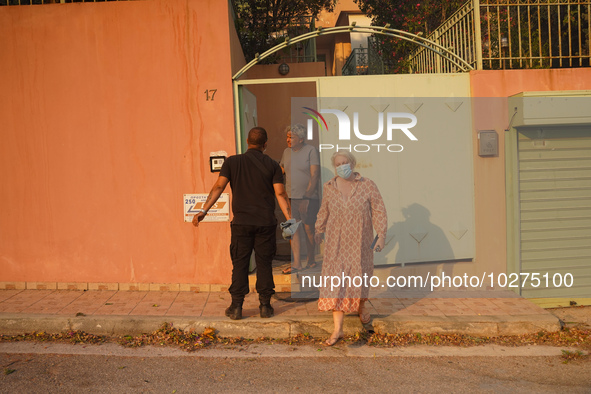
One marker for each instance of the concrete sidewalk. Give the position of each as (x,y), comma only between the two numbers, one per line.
(133,312)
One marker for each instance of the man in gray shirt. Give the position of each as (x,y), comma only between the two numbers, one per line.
(301,164)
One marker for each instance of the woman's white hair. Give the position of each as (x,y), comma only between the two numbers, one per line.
(347,155)
(298,130)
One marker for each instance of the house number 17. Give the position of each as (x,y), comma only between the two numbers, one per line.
(210,94)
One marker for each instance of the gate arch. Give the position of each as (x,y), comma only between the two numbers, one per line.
(353,28)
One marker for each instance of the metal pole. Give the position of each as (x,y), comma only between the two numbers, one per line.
(237,123)
(437,58)
(477,34)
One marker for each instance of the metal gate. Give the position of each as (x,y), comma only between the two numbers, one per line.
(428,188)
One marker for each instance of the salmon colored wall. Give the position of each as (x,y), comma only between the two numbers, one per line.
(489,172)
(329,19)
(104,126)
(342,50)
(238,60)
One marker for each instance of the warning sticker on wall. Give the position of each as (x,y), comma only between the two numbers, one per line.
(219,212)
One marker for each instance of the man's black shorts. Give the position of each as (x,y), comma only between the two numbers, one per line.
(309,217)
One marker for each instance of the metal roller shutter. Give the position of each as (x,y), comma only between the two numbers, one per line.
(555,210)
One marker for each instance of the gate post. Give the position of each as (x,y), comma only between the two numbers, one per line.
(477,33)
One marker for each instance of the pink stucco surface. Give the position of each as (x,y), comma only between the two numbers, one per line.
(510,82)
(104,125)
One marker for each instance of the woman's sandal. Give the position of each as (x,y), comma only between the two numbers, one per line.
(290,270)
(364,315)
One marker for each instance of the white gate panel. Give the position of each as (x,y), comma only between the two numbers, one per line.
(428,185)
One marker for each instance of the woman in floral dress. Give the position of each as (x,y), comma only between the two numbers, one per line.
(352,207)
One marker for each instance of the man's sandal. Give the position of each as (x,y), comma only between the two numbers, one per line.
(290,270)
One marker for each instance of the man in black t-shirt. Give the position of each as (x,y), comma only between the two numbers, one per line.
(256,180)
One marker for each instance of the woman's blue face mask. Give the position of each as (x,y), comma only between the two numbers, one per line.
(344,171)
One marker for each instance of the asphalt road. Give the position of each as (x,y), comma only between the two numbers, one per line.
(55,368)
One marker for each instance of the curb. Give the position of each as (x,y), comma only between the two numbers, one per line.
(281,327)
